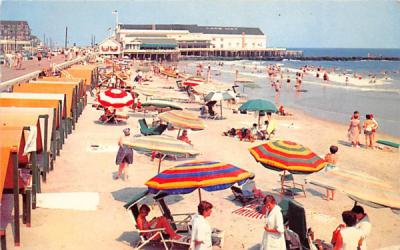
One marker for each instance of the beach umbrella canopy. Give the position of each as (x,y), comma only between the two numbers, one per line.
(219,96)
(361,187)
(287,156)
(163,144)
(207,175)
(259,105)
(162,104)
(182,119)
(115,98)
(193,81)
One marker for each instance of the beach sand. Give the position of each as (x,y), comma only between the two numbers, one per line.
(82,169)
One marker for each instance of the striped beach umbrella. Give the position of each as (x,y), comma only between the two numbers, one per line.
(207,175)
(287,156)
(182,119)
(163,144)
(220,96)
(193,81)
(162,104)
(115,98)
(360,187)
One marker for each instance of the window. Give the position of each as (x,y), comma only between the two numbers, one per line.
(222,46)
(229,44)
(222,39)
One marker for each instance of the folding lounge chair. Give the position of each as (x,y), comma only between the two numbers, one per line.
(145,130)
(289,186)
(244,199)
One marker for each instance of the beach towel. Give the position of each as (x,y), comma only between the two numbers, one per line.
(250,211)
(83,201)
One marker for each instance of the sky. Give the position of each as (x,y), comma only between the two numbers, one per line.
(286,23)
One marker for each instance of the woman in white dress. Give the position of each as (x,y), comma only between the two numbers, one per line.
(273,237)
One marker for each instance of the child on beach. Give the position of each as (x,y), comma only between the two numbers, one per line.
(249,188)
(331,157)
(124,155)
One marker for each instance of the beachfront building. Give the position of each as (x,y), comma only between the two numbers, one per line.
(14,35)
(110,47)
(175,41)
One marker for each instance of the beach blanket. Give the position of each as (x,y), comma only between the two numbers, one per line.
(250,211)
(83,201)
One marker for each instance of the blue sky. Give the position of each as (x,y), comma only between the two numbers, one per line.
(287,23)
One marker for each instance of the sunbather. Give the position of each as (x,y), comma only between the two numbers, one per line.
(250,189)
(156,222)
(184,137)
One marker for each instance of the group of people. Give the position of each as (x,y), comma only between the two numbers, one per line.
(369,127)
(14,60)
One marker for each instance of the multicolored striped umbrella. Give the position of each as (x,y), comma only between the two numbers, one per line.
(115,98)
(193,81)
(182,119)
(207,175)
(163,144)
(287,156)
(359,186)
(162,104)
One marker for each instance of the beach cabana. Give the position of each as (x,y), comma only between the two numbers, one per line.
(19,116)
(288,156)
(80,93)
(89,73)
(16,181)
(361,187)
(67,89)
(58,138)
(165,145)
(206,175)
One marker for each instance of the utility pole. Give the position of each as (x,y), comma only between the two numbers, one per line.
(66,36)
(15,38)
(44,39)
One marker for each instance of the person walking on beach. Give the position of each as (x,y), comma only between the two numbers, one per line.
(368,127)
(39,57)
(124,155)
(273,236)
(363,224)
(201,229)
(354,130)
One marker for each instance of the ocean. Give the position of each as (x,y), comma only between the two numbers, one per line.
(332,101)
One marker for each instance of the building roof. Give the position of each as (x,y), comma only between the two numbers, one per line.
(193,28)
(11,22)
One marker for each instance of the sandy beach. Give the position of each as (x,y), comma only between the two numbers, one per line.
(81,168)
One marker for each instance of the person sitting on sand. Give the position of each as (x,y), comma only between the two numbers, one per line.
(156,222)
(184,137)
(250,189)
(281,111)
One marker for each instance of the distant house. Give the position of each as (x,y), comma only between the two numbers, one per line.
(110,47)
(14,35)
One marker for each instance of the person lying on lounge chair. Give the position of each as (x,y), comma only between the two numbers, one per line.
(156,222)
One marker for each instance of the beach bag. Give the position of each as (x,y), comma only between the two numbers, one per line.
(336,233)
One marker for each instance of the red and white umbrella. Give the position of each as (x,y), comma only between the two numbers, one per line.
(193,81)
(115,98)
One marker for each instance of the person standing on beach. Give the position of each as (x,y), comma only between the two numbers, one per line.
(368,127)
(273,236)
(39,57)
(124,155)
(374,127)
(201,229)
(363,224)
(354,130)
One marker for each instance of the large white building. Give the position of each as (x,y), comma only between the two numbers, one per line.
(134,37)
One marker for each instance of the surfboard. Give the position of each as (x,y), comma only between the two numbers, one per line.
(389,143)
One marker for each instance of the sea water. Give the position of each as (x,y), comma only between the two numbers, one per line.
(331,101)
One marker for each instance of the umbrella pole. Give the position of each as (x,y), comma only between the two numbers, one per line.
(220,103)
(282,180)
(159,162)
(259,117)
(199,195)
(178,134)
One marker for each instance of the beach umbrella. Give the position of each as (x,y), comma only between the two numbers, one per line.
(115,98)
(287,156)
(360,187)
(258,105)
(246,82)
(182,120)
(162,144)
(193,81)
(220,96)
(161,104)
(206,175)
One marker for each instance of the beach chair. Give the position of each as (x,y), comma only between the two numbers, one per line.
(290,187)
(244,199)
(146,130)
